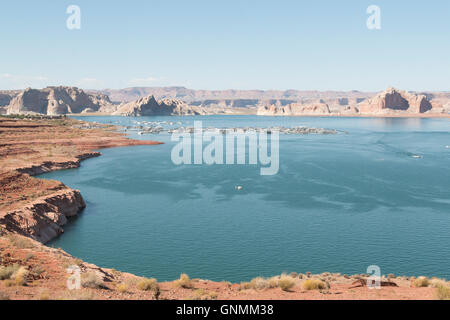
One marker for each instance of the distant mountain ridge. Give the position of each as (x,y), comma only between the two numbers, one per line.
(232,98)
(183,101)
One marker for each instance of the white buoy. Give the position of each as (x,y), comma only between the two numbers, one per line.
(239,187)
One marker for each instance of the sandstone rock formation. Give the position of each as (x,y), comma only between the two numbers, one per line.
(295,109)
(390,102)
(395,101)
(42,219)
(5,99)
(149,106)
(56,101)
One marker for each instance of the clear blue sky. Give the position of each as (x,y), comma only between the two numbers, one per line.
(226,44)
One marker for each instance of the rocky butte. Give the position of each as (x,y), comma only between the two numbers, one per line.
(391,102)
(56,101)
(149,106)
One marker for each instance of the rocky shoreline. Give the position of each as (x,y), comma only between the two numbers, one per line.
(33,207)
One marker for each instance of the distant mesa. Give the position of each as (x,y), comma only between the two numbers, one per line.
(389,102)
(149,106)
(294,109)
(55,101)
(393,100)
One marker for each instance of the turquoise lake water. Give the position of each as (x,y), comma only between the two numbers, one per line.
(378,194)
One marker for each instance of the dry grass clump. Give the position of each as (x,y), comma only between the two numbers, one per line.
(37,270)
(28,257)
(20,242)
(91,280)
(7,272)
(314,284)
(286,283)
(260,283)
(202,294)
(443,291)
(9,283)
(116,273)
(44,295)
(13,275)
(421,282)
(184,282)
(148,285)
(20,277)
(122,287)
(77,262)
(435,283)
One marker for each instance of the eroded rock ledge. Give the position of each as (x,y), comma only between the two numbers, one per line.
(43,218)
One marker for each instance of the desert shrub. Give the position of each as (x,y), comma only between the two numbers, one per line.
(122,287)
(245,285)
(115,272)
(9,283)
(286,283)
(421,282)
(443,291)
(20,277)
(37,270)
(44,295)
(148,285)
(91,280)
(7,272)
(314,284)
(259,283)
(272,282)
(184,282)
(202,294)
(77,262)
(435,283)
(20,242)
(29,256)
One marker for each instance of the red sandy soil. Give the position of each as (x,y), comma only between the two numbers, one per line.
(47,279)
(33,146)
